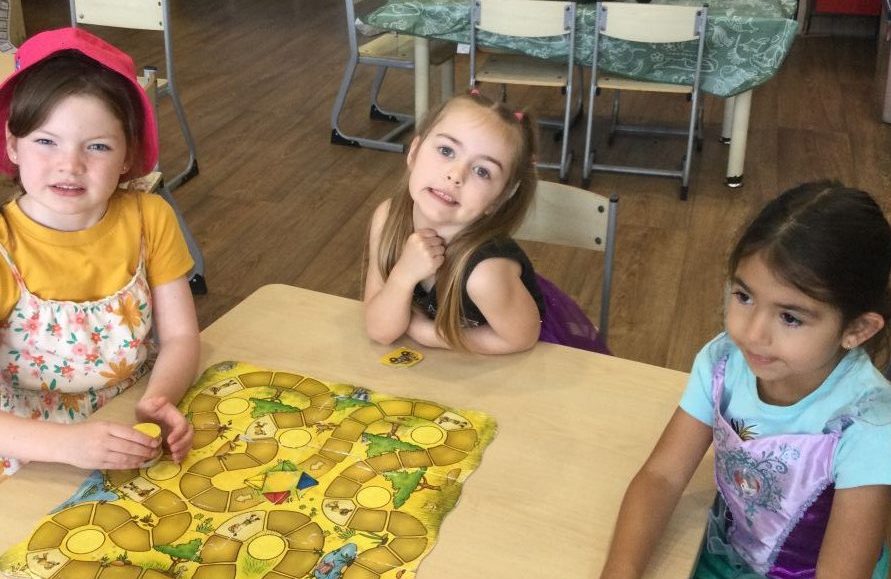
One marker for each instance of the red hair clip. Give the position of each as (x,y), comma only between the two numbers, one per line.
(520,115)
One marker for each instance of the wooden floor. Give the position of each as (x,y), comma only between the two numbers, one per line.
(276,203)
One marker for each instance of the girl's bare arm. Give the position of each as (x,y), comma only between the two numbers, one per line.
(653,494)
(855,532)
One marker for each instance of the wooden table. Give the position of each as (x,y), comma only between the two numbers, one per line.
(573,428)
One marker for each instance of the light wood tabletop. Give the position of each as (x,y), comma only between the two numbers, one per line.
(573,428)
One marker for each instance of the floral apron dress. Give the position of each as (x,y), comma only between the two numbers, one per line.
(61,360)
(775,497)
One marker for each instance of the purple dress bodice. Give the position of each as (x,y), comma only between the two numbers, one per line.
(778,491)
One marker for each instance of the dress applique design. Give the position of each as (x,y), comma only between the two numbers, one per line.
(61,360)
(777,491)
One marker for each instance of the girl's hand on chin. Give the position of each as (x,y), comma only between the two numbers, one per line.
(422,255)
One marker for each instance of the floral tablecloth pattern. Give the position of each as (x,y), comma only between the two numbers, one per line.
(746,40)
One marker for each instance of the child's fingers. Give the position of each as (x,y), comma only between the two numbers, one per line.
(130,438)
(179,432)
(181,447)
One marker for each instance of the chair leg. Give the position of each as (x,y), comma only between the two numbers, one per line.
(700,114)
(614,119)
(196,277)
(192,166)
(565,155)
(691,136)
(589,153)
(339,137)
(377,112)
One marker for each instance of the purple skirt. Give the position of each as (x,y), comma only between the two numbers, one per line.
(565,323)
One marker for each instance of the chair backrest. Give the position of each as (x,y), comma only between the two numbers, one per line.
(653,23)
(139,14)
(524,18)
(565,215)
(136,14)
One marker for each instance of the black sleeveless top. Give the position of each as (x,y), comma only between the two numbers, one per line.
(504,247)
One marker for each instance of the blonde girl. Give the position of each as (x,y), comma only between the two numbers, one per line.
(443,268)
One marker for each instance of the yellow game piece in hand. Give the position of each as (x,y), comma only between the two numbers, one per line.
(149,429)
(153,430)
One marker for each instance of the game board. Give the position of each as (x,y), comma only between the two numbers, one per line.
(289,477)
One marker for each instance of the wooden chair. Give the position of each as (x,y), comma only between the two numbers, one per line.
(144,15)
(385,51)
(527,19)
(653,24)
(566,215)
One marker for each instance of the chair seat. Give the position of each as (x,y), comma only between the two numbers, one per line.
(147,183)
(521,69)
(7,64)
(394,46)
(620,83)
(160,82)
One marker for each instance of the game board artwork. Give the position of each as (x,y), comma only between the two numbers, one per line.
(289,477)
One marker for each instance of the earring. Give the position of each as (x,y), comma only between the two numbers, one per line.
(849,343)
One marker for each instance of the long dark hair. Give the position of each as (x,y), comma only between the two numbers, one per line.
(831,242)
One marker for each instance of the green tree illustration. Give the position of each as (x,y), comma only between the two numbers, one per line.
(181,553)
(404,482)
(378,445)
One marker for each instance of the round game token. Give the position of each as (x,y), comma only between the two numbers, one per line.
(153,430)
(149,429)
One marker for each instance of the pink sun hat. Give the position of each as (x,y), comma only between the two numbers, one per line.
(41,46)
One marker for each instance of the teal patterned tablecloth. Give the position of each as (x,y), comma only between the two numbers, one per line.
(746,42)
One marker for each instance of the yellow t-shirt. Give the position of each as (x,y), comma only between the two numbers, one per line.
(95,262)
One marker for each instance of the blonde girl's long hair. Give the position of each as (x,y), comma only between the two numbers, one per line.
(511,207)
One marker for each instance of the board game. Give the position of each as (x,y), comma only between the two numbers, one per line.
(288,477)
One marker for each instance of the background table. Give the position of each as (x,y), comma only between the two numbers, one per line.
(746,42)
(573,428)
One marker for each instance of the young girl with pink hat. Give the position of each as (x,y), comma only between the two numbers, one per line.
(91,277)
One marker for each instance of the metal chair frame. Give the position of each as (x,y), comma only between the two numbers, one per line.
(651,24)
(384,52)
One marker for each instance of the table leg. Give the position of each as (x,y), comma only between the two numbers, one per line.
(742,105)
(422,77)
(447,78)
(727,126)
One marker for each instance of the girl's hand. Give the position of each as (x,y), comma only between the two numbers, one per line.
(422,255)
(106,445)
(175,429)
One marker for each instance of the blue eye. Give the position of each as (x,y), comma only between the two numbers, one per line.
(446,151)
(482,172)
(43,141)
(99,147)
